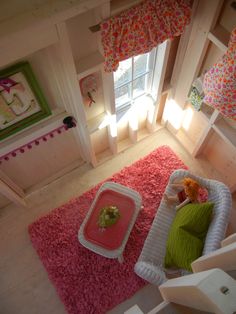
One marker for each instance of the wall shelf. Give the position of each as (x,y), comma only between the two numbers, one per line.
(104,156)
(158,126)
(142,133)
(206,112)
(225,131)
(98,122)
(124,144)
(185,140)
(89,64)
(220,37)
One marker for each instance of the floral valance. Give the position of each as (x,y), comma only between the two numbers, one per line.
(220,82)
(141,28)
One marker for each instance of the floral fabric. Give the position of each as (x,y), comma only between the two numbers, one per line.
(141,28)
(220,82)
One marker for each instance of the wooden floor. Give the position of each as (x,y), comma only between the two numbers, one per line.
(24,285)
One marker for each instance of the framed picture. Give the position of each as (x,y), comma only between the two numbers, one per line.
(22,102)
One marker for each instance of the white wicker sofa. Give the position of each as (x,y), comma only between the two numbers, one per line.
(150,263)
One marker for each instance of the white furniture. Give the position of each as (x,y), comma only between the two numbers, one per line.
(230,239)
(212,291)
(118,252)
(150,263)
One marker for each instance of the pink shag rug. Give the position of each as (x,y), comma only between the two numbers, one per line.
(86,282)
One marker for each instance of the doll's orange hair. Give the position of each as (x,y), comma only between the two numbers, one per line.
(191,188)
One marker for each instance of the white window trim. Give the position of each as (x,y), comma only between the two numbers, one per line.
(158,81)
(131,81)
(155,80)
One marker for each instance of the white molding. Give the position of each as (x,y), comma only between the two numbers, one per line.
(158,80)
(202,142)
(220,37)
(109,94)
(11,194)
(89,64)
(71,88)
(112,139)
(32,133)
(76,165)
(5,179)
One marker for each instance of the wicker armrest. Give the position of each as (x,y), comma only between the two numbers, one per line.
(150,272)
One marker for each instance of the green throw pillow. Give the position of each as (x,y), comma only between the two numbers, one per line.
(187,235)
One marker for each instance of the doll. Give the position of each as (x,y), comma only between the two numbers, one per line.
(191,193)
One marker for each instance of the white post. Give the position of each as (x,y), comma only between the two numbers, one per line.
(158,81)
(205,18)
(74,104)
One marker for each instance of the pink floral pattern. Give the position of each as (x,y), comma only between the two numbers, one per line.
(220,82)
(88,283)
(141,28)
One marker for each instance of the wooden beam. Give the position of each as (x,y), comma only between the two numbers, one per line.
(204,20)
(11,195)
(202,142)
(5,179)
(182,50)
(220,37)
(112,134)
(74,104)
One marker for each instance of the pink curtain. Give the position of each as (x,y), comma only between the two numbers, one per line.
(141,28)
(220,82)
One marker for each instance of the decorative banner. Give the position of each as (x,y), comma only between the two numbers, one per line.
(68,122)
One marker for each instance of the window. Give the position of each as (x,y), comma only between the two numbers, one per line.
(133,78)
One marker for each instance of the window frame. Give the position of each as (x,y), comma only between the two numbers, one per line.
(149,73)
